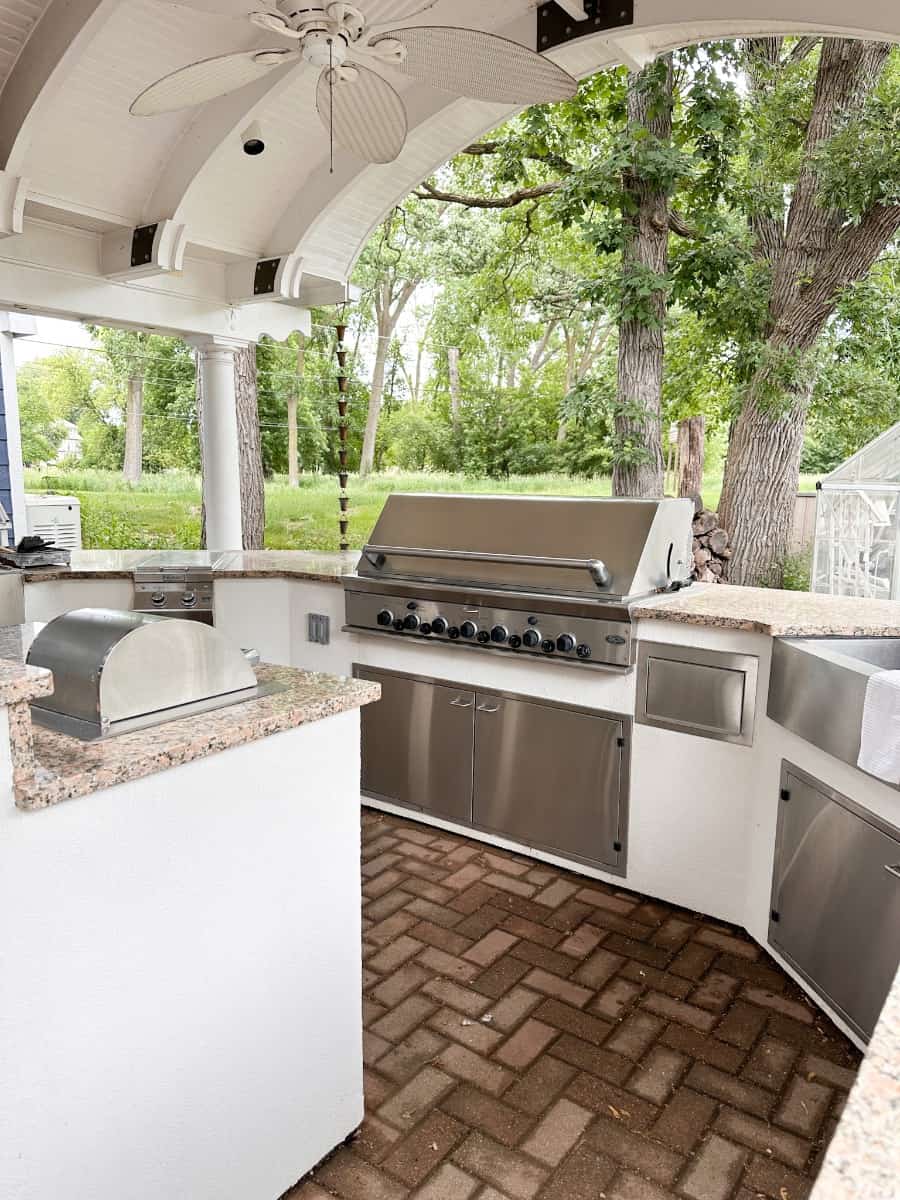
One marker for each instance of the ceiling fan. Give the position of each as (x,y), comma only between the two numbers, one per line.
(360,109)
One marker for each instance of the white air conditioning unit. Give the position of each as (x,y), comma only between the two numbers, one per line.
(56,519)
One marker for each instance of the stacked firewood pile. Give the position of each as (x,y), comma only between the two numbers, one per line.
(711,546)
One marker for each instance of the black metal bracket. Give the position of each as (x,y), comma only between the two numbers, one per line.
(555,27)
(617,846)
(775,915)
(264,276)
(784,794)
(142,244)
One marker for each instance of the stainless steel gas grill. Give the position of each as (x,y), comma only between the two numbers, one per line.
(536,576)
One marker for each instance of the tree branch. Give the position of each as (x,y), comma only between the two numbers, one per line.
(802,49)
(481,149)
(521,196)
(677,224)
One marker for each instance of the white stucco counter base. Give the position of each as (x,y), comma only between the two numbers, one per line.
(180,977)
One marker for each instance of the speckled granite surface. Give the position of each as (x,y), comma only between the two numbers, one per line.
(61,768)
(246,564)
(863,1160)
(773,612)
(308,564)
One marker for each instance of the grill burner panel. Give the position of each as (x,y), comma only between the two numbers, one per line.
(538,577)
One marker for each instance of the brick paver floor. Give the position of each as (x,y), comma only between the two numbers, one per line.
(531,1034)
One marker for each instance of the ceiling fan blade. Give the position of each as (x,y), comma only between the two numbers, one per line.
(208,79)
(481,65)
(367,116)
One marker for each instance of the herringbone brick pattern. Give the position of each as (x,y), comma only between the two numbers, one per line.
(535,1035)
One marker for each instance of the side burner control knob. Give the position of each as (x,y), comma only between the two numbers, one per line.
(565,643)
(385,617)
(158,597)
(483,637)
(412,622)
(583,651)
(468,629)
(189,599)
(548,645)
(499,634)
(439,626)
(531,638)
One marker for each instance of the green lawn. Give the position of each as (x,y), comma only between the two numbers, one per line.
(163,511)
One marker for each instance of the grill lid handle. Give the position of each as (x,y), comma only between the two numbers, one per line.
(377,556)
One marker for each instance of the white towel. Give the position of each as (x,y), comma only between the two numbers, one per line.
(879,749)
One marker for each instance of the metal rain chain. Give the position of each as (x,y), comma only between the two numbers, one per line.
(343,428)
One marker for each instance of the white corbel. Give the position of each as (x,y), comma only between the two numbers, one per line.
(13,189)
(254,280)
(634,52)
(573,8)
(153,249)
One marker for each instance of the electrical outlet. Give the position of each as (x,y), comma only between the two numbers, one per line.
(318,629)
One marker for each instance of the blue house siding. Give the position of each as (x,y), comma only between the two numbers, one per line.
(5,483)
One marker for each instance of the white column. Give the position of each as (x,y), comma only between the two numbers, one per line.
(13,325)
(220,451)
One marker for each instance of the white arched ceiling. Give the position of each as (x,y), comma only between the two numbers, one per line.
(69,69)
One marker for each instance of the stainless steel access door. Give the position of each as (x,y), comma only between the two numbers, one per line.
(836,897)
(550,777)
(417,744)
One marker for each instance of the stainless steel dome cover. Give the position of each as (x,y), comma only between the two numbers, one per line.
(116,671)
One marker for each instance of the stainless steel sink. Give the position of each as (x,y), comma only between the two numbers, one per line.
(817,687)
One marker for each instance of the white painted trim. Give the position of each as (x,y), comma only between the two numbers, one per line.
(13,190)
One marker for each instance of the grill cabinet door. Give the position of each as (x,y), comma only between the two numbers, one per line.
(417,745)
(550,777)
(836,900)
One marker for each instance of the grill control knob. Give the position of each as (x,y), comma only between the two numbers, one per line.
(583,651)
(385,617)
(468,629)
(453,633)
(565,643)
(548,645)
(439,626)
(515,642)
(483,637)
(411,622)
(158,598)
(531,638)
(425,629)
(189,599)
(398,624)
(499,634)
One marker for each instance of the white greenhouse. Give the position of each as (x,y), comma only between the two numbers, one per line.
(857,545)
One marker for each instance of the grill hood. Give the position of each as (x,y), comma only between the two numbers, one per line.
(610,549)
(118,671)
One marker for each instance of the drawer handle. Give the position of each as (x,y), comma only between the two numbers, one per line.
(893,869)
(486,708)
(460,703)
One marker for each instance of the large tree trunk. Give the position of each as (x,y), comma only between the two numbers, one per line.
(293,402)
(639,468)
(691,455)
(453,375)
(376,399)
(134,430)
(816,256)
(253,492)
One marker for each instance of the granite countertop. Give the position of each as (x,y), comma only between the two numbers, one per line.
(50,767)
(229,564)
(863,1160)
(773,612)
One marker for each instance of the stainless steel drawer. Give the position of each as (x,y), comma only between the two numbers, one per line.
(709,693)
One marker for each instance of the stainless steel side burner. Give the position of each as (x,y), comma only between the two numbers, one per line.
(549,577)
(177,584)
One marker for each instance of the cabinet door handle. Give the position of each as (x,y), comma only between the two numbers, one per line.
(460,703)
(893,869)
(486,708)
